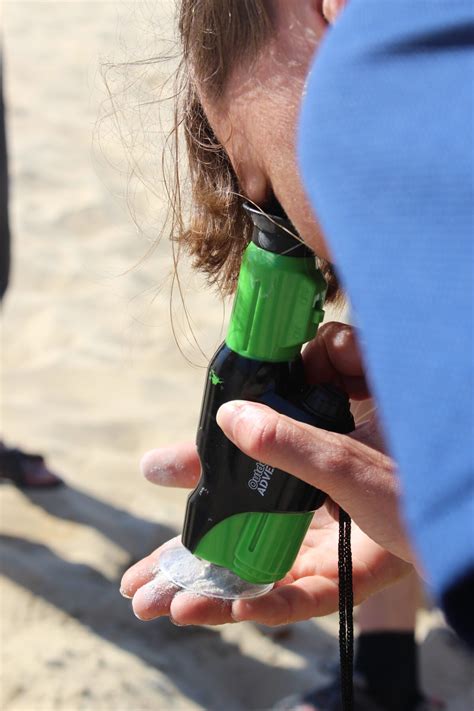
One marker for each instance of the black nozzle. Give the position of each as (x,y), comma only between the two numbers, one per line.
(274,232)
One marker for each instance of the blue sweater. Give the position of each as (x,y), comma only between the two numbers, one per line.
(387,157)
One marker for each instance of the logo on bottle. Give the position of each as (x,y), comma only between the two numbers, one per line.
(260,479)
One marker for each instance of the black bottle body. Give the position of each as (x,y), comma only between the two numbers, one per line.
(233,483)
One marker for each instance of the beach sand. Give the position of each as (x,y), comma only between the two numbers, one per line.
(92,377)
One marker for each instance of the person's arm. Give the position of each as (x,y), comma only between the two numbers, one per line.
(386,155)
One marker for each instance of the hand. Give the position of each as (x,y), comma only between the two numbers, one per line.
(352,469)
(355,476)
(309,590)
(311,587)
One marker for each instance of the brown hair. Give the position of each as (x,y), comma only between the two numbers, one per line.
(215,36)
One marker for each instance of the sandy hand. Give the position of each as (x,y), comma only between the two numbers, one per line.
(153,595)
(352,470)
(310,589)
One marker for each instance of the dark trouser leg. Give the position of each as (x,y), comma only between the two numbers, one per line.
(388,663)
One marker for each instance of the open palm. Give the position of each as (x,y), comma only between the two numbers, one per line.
(310,589)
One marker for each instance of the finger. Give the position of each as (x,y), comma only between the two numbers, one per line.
(143,571)
(357,477)
(313,596)
(190,609)
(355,387)
(178,465)
(334,357)
(370,433)
(317,595)
(154,599)
(138,575)
(317,456)
(332,508)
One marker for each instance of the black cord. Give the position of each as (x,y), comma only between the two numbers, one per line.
(346,605)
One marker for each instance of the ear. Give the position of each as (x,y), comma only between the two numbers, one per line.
(313,15)
(332,8)
(305,13)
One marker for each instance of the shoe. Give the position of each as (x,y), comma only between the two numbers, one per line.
(328,698)
(26,470)
(430,704)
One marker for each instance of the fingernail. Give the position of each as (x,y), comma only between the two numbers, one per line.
(160,466)
(230,413)
(148,463)
(124,594)
(145,463)
(175,623)
(238,610)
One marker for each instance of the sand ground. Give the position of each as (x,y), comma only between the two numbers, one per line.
(92,377)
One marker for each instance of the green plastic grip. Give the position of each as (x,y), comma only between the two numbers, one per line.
(254,558)
(278,305)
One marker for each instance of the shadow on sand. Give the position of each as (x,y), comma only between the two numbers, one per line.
(204,654)
(135,535)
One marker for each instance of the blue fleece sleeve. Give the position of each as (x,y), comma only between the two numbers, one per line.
(386,156)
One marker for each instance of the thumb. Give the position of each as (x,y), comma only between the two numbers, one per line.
(357,477)
(318,457)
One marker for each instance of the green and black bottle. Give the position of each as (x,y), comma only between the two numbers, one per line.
(245,515)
